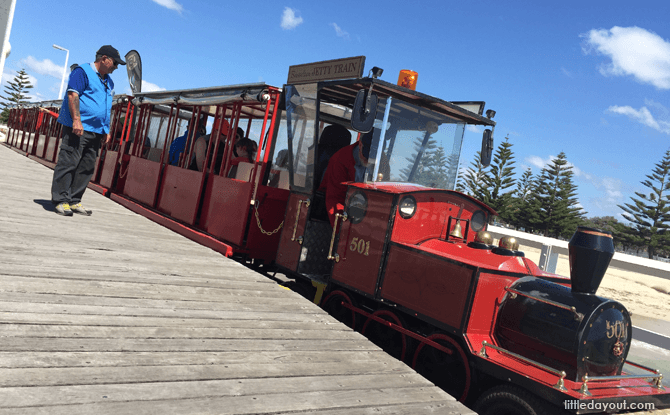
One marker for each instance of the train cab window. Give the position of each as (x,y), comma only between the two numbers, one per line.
(300,125)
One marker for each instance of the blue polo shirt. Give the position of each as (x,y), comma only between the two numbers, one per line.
(96,94)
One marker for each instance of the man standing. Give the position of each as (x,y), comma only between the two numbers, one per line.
(349,164)
(85,115)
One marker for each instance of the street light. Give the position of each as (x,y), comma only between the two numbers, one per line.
(62,82)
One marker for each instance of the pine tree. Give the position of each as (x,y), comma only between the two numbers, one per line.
(14,93)
(434,169)
(475,179)
(650,214)
(452,171)
(499,180)
(417,171)
(555,209)
(522,198)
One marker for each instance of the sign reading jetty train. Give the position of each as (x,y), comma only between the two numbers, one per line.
(326,70)
(407,261)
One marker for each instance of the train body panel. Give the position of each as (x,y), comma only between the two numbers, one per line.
(362,243)
(434,288)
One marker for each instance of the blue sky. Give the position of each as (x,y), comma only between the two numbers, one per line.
(589,78)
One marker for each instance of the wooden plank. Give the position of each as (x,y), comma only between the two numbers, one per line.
(253,404)
(178,345)
(10,307)
(80,285)
(91,359)
(324,322)
(143,374)
(221,303)
(18,397)
(12,266)
(93,332)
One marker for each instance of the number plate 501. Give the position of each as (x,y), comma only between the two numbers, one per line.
(361,246)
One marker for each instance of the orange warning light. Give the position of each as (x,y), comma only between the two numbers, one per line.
(407,79)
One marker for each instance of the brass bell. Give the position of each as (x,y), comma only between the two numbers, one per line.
(509,242)
(457,232)
(483,237)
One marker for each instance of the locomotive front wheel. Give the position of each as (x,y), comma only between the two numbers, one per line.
(448,371)
(333,304)
(391,341)
(510,400)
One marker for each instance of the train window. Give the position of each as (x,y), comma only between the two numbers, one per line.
(407,207)
(300,124)
(478,221)
(358,206)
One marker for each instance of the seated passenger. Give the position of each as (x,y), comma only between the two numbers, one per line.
(245,149)
(347,165)
(201,144)
(333,138)
(281,163)
(179,144)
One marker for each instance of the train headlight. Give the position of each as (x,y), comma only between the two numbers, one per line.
(358,206)
(407,207)
(478,221)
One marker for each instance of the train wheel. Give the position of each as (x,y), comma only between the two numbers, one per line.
(449,371)
(511,400)
(333,304)
(391,341)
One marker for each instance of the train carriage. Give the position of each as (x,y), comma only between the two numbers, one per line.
(237,214)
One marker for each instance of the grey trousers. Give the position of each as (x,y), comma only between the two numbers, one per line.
(76,163)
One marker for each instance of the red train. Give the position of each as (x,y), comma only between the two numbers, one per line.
(407,263)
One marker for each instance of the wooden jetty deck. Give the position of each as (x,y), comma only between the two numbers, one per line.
(114,314)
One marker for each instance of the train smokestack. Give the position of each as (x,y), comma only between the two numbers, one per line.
(591,251)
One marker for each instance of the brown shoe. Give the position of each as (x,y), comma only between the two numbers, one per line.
(79,208)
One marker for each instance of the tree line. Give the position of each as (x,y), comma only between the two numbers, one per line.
(547,203)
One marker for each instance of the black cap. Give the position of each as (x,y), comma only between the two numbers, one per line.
(108,50)
(366,142)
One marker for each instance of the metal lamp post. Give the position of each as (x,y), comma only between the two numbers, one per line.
(62,82)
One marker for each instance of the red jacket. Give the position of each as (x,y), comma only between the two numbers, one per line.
(340,169)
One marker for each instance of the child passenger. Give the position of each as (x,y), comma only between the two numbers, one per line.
(245,149)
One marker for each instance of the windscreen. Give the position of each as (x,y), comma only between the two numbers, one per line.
(418,146)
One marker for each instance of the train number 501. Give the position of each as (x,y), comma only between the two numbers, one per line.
(359,245)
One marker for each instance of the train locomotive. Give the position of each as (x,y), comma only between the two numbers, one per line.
(407,262)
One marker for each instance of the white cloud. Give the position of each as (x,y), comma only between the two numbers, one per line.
(643,116)
(541,163)
(289,20)
(146,87)
(36,97)
(538,161)
(44,67)
(149,87)
(339,32)
(474,128)
(170,4)
(7,77)
(633,51)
